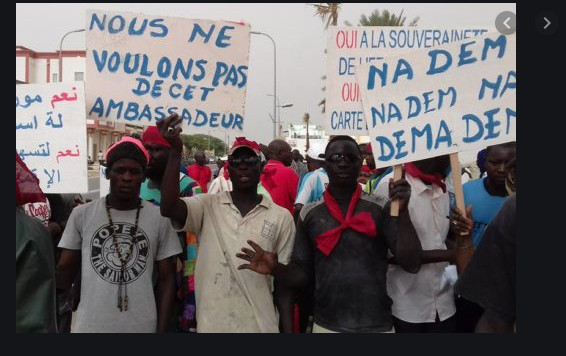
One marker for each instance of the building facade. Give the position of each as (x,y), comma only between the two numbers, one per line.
(296,136)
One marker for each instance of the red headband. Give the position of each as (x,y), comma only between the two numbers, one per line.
(125,139)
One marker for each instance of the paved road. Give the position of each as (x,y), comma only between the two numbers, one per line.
(93,184)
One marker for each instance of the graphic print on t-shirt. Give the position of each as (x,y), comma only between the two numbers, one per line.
(104,256)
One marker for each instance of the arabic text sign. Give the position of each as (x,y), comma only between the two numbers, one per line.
(427,103)
(142,68)
(51,135)
(349,47)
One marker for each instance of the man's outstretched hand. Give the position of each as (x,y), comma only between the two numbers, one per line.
(259,261)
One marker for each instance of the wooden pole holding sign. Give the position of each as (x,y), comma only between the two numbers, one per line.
(397,174)
(457,179)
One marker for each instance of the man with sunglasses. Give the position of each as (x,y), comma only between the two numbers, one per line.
(341,245)
(227,299)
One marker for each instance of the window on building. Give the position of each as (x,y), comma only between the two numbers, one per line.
(55,77)
(79,76)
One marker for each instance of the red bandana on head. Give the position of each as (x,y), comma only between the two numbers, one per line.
(362,222)
(242,141)
(153,136)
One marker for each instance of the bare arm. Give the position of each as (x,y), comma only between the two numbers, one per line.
(434,256)
(166,292)
(408,250)
(171,206)
(461,228)
(284,298)
(460,252)
(68,268)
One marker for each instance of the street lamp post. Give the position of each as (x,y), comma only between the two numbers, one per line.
(274,79)
(279,114)
(277,119)
(61,52)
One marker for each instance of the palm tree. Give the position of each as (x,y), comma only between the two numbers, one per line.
(328,12)
(306,119)
(385,19)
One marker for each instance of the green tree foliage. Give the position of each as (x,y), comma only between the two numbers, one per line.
(201,142)
(385,18)
(328,12)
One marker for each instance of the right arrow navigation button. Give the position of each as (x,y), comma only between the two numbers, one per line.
(547,23)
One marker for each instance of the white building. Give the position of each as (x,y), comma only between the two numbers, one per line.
(43,67)
(296,136)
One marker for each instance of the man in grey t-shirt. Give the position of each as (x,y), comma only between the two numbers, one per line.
(115,242)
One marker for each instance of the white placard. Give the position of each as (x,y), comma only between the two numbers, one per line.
(51,135)
(349,47)
(141,68)
(432,102)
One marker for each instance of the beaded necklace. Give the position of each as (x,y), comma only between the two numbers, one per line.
(122,285)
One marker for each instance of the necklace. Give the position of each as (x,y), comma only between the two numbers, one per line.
(124,259)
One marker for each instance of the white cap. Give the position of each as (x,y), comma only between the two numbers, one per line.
(316,151)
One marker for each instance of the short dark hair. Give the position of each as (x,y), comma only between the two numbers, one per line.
(341,138)
(511,144)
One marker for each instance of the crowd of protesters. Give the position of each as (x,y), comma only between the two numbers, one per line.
(272,241)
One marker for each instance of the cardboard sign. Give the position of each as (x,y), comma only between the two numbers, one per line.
(51,135)
(432,102)
(141,69)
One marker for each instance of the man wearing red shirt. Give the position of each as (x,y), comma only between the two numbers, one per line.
(200,172)
(280,180)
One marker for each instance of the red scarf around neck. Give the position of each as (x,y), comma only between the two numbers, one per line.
(362,222)
(435,178)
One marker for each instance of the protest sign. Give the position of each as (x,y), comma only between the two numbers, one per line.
(443,100)
(142,68)
(349,47)
(51,135)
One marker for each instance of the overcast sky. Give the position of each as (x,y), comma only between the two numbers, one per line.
(299,35)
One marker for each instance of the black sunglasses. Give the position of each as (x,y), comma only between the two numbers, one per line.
(250,161)
(348,158)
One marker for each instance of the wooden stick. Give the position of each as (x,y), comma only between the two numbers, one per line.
(397,174)
(457,179)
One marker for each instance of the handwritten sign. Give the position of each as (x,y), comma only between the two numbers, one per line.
(142,68)
(51,135)
(349,47)
(432,102)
